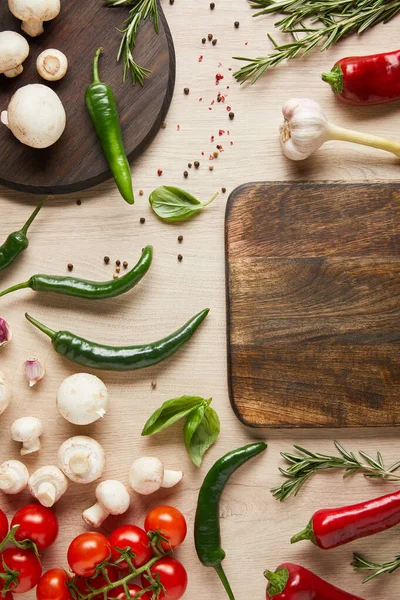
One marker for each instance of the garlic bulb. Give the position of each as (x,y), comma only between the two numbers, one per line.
(305,128)
(5,332)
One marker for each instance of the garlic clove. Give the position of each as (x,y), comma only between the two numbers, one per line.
(5,333)
(34,371)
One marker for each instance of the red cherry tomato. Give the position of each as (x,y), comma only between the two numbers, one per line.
(3,525)
(130,536)
(173,577)
(119,593)
(97,583)
(28,566)
(36,523)
(170,522)
(87,551)
(53,586)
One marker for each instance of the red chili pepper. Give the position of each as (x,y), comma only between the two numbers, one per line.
(365,80)
(292,582)
(333,527)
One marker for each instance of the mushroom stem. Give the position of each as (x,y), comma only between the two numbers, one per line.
(46,494)
(79,464)
(14,72)
(4,118)
(32,28)
(171,478)
(30,446)
(95,515)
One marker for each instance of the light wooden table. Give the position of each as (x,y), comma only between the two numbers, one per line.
(255,527)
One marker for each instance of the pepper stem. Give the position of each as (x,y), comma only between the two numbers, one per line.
(277,581)
(335,79)
(96,76)
(365,139)
(25,228)
(46,330)
(306,534)
(221,574)
(14,288)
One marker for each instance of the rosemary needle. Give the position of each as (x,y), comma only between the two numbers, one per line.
(305,464)
(140,11)
(312,23)
(360,563)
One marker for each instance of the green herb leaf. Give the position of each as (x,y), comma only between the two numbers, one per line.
(170,412)
(202,428)
(173,204)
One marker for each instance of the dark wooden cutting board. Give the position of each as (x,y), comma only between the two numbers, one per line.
(313,304)
(76,161)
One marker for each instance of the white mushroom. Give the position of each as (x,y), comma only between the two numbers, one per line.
(5,393)
(35,116)
(52,64)
(82,459)
(32,13)
(48,484)
(147,475)
(14,49)
(112,499)
(82,399)
(13,477)
(28,431)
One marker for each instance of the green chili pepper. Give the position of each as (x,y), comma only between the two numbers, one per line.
(207,534)
(102,107)
(82,288)
(17,241)
(119,358)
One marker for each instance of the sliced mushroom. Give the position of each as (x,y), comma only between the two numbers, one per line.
(32,13)
(52,64)
(147,475)
(13,477)
(14,49)
(112,499)
(48,484)
(81,459)
(35,115)
(28,431)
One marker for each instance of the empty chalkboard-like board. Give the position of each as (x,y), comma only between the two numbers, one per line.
(313,301)
(76,161)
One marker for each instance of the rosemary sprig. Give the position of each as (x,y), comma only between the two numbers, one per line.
(305,464)
(313,23)
(140,11)
(360,563)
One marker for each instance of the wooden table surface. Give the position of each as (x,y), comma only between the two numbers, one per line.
(256,528)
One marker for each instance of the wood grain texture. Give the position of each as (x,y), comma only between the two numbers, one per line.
(76,161)
(255,528)
(313,294)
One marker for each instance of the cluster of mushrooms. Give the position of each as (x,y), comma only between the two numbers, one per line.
(82,399)
(35,99)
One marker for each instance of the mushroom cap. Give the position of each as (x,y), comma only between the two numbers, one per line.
(113,496)
(146,475)
(52,64)
(82,399)
(26,428)
(5,392)
(48,473)
(90,451)
(36,116)
(34,10)
(13,50)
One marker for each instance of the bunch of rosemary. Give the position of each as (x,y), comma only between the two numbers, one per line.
(140,11)
(312,23)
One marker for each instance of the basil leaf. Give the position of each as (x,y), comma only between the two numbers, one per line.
(202,428)
(170,412)
(173,204)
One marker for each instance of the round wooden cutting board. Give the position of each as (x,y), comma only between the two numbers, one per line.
(76,161)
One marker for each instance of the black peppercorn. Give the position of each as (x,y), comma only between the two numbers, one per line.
(186,91)
(196,164)
(180,257)
(237,24)
(212,5)
(210,37)
(70,267)
(214,42)
(203,41)
(223,190)
(180,239)
(231,116)
(106,259)
(185,174)
(142,220)
(118,263)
